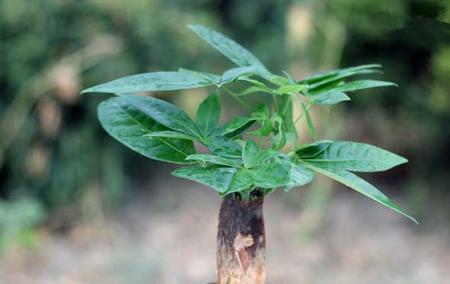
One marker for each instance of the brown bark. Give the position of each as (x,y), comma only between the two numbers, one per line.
(241,241)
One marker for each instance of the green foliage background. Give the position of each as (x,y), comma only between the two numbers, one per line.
(53,152)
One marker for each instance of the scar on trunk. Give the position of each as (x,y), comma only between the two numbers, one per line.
(241,242)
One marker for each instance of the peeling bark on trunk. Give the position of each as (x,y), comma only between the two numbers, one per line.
(241,241)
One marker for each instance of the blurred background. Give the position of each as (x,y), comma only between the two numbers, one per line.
(77,207)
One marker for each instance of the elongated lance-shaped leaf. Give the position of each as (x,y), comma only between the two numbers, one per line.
(154,81)
(165,113)
(362,84)
(341,76)
(130,126)
(232,50)
(218,178)
(356,157)
(309,121)
(208,114)
(353,181)
(346,72)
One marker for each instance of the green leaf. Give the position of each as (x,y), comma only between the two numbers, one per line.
(361,85)
(341,76)
(148,82)
(353,181)
(228,47)
(218,178)
(287,89)
(165,113)
(217,160)
(171,134)
(225,147)
(208,114)
(345,72)
(356,157)
(285,111)
(242,180)
(309,122)
(328,98)
(309,151)
(271,175)
(213,78)
(236,126)
(235,73)
(250,153)
(299,176)
(130,126)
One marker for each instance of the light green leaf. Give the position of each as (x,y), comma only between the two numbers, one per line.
(208,114)
(250,153)
(299,176)
(356,157)
(147,82)
(353,181)
(242,180)
(130,126)
(309,122)
(217,160)
(361,85)
(172,134)
(228,47)
(163,112)
(234,73)
(225,147)
(346,72)
(213,78)
(219,178)
(271,175)
(329,98)
(287,89)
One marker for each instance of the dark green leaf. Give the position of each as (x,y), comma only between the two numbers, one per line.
(130,126)
(208,114)
(219,178)
(353,181)
(309,151)
(147,82)
(356,157)
(236,126)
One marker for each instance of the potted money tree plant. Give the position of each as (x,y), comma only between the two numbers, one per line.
(250,156)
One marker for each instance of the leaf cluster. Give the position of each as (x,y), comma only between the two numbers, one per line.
(256,152)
